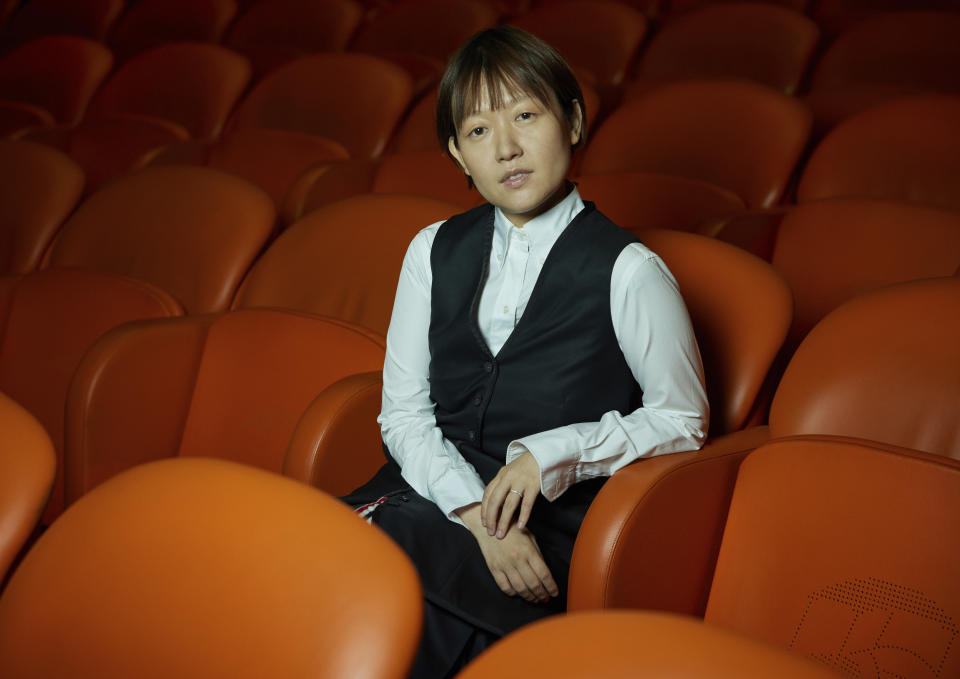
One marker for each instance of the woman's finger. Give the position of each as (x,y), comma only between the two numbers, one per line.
(526,507)
(510,503)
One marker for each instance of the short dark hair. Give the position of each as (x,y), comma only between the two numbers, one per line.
(505,61)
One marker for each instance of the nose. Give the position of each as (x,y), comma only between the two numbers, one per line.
(508,146)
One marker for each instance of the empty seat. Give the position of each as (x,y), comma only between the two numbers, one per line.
(228,386)
(737,135)
(676,6)
(328,183)
(645,200)
(839,383)
(599,37)
(425,173)
(55,75)
(83,18)
(192,231)
(28,464)
(342,260)
(39,188)
(637,644)
(833,16)
(833,250)
(760,42)
(50,319)
(307,95)
(907,150)
(883,57)
(149,23)
(202,568)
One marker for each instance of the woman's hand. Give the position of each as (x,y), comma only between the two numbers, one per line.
(515,560)
(515,485)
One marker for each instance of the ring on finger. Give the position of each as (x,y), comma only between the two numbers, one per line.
(518,492)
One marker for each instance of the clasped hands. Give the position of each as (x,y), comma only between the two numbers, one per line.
(510,550)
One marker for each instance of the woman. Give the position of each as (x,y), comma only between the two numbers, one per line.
(534,349)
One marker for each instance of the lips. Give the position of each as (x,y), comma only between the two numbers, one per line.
(515,178)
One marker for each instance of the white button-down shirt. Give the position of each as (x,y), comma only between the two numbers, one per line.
(652,328)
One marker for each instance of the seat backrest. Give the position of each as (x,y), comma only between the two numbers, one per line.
(84,18)
(307,95)
(740,308)
(58,73)
(905,51)
(39,187)
(632,643)
(647,200)
(192,231)
(193,84)
(149,23)
(27,467)
(847,552)
(342,260)
(429,28)
(884,367)
(597,36)
(272,159)
(229,386)
(425,173)
(908,149)
(49,319)
(310,26)
(833,250)
(760,42)
(677,6)
(202,568)
(738,135)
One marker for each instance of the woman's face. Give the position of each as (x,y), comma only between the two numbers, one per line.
(517,156)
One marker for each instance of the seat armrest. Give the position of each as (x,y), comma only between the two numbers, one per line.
(336,445)
(651,537)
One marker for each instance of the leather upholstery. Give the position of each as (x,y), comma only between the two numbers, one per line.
(229,386)
(39,187)
(883,367)
(204,568)
(306,267)
(85,18)
(192,231)
(425,173)
(749,142)
(149,23)
(628,644)
(848,552)
(27,467)
(49,319)
(906,150)
(307,95)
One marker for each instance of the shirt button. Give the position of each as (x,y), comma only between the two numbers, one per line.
(488,367)
(506,310)
(477,400)
(472,435)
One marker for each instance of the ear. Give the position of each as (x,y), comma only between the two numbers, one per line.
(576,129)
(455,152)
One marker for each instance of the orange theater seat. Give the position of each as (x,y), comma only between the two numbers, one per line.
(833,250)
(883,57)
(192,231)
(737,135)
(202,568)
(149,23)
(83,18)
(229,386)
(28,465)
(676,6)
(39,188)
(760,42)
(50,80)
(328,183)
(307,95)
(906,150)
(273,32)
(624,644)
(839,382)
(833,16)
(50,318)
(342,260)
(646,200)
(425,173)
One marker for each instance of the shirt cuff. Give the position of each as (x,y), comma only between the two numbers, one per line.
(558,457)
(455,490)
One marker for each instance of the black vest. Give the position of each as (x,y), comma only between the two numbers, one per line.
(561,364)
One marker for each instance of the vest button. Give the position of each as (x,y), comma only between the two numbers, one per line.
(477,400)
(472,435)
(488,366)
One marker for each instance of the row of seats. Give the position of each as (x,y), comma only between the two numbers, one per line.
(785,536)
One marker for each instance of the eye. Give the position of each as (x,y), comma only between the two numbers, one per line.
(527,115)
(476,132)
